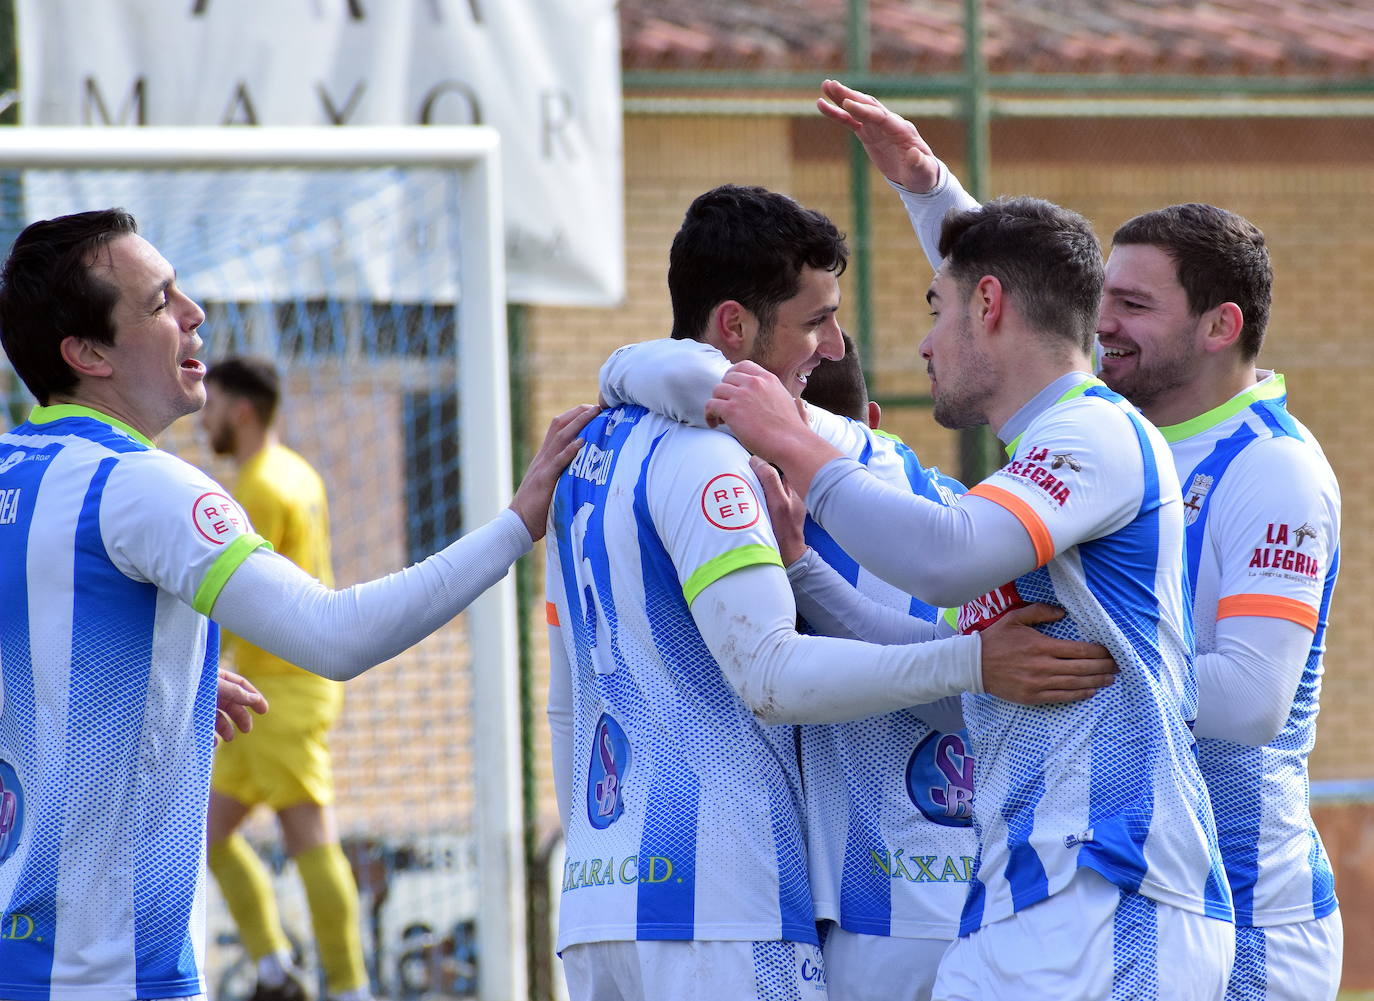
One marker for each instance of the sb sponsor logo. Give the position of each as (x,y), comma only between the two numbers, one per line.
(11,810)
(939,779)
(217,518)
(610,760)
(728,502)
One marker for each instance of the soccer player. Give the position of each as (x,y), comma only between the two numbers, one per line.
(1098,867)
(1182,320)
(674,652)
(285,764)
(888,799)
(113,557)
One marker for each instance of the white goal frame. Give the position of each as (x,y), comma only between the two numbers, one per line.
(473,152)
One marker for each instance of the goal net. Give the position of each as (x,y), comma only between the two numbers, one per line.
(368,265)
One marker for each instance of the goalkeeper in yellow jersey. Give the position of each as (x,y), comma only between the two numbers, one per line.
(285,762)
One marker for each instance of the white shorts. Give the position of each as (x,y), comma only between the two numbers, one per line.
(880,968)
(694,971)
(1092,941)
(1294,962)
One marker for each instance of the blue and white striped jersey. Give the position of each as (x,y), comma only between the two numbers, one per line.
(685,817)
(111,552)
(1110,783)
(1262,522)
(889,809)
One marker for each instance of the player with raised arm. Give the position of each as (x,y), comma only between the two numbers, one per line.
(673,651)
(1097,849)
(1183,316)
(113,557)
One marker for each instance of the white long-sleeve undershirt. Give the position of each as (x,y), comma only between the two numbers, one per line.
(965,549)
(748,622)
(339,634)
(834,607)
(1246,685)
(560,715)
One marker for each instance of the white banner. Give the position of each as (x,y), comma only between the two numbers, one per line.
(544,73)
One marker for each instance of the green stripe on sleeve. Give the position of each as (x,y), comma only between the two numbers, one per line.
(951,615)
(727,563)
(223,568)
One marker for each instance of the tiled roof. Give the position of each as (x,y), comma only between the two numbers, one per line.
(1321,38)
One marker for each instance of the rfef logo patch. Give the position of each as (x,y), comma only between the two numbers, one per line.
(939,779)
(606,773)
(11,810)
(729,502)
(218,518)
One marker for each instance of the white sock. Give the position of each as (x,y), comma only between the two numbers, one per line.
(361,994)
(273,968)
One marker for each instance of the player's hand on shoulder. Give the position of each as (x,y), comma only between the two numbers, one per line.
(1022,664)
(235,703)
(561,445)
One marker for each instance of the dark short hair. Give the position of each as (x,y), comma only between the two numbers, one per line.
(1046,257)
(748,244)
(49,292)
(253,379)
(1218,256)
(839,385)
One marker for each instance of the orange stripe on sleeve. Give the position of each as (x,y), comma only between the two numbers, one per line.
(551,613)
(1269,606)
(1039,535)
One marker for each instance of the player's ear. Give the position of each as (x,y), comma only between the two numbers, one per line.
(732,329)
(87,358)
(1223,326)
(988,302)
(875,414)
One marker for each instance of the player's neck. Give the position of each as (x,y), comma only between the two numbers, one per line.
(249,441)
(1214,385)
(1024,380)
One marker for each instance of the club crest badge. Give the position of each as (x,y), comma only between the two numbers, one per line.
(1194,496)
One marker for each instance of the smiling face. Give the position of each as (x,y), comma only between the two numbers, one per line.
(804,331)
(154,377)
(1151,343)
(962,377)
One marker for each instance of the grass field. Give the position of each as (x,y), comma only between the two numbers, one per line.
(1355,996)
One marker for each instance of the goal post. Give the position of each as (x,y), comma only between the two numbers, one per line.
(410,341)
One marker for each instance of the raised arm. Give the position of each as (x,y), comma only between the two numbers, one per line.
(929,191)
(895,146)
